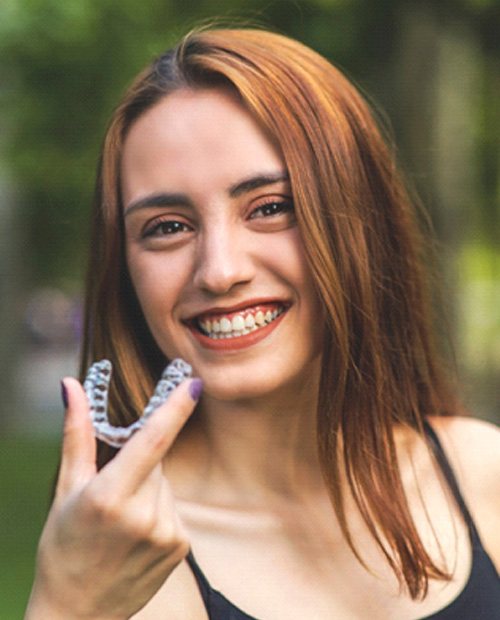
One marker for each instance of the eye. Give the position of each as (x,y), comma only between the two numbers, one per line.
(273,208)
(162,228)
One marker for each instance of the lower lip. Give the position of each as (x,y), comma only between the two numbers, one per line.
(238,342)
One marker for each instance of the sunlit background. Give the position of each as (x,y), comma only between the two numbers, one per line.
(433,67)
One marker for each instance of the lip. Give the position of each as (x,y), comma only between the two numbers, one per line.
(248,304)
(240,342)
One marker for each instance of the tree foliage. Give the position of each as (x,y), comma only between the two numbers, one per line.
(64,63)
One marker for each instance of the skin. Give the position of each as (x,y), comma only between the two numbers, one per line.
(228,251)
(241,482)
(122,518)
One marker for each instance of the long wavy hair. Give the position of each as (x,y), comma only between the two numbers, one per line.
(380,366)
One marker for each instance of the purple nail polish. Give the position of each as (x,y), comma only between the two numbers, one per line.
(195,388)
(64,395)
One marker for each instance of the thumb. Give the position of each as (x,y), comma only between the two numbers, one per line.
(78,458)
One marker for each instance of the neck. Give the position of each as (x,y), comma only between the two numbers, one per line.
(245,451)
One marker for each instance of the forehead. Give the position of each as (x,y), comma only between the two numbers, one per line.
(193,140)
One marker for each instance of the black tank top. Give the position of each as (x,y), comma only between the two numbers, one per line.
(479,600)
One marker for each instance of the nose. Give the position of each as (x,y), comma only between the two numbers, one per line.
(223,261)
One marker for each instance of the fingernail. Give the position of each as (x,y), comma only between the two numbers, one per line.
(195,388)
(64,395)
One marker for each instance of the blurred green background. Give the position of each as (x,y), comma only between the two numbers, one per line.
(432,66)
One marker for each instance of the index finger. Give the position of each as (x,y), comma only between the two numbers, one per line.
(78,455)
(145,449)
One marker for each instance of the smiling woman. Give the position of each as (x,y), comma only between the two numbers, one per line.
(250,219)
(223,237)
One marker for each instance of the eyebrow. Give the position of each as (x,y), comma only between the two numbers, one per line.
(165,199)
(261,180)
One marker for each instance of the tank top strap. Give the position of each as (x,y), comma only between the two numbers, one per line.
(450,477)
(217,605)
(202,581)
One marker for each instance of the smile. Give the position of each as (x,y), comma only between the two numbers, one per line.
(239,327)
(235,325)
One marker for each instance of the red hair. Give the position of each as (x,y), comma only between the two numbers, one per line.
(380,367)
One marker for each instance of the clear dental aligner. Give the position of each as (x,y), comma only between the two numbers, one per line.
(96,386)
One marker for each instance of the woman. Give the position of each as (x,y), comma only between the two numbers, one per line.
(250,220)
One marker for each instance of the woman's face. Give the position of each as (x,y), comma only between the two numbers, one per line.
(213,248)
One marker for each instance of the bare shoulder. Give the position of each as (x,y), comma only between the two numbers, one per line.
(473,450)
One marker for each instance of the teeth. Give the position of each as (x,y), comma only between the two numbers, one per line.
(260,318)
(250,321)
(239,325)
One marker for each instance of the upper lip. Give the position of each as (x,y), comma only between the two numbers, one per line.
(243,305)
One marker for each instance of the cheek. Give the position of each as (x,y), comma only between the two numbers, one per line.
(311,308)
(143,279)
(290,260)
(157,284)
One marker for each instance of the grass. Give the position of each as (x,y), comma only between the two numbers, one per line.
(27,469)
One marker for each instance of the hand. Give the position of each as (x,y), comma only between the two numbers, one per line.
(112,537)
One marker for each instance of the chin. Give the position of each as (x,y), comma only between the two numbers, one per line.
(237,383)
(244,392)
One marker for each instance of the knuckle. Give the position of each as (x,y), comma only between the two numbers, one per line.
(182,547)
(110,511)
(101,506)
(140,525)
(179,551)
(171,540)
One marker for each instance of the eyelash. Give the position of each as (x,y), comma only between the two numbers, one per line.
(271,208)
(283,206)
(156,227)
